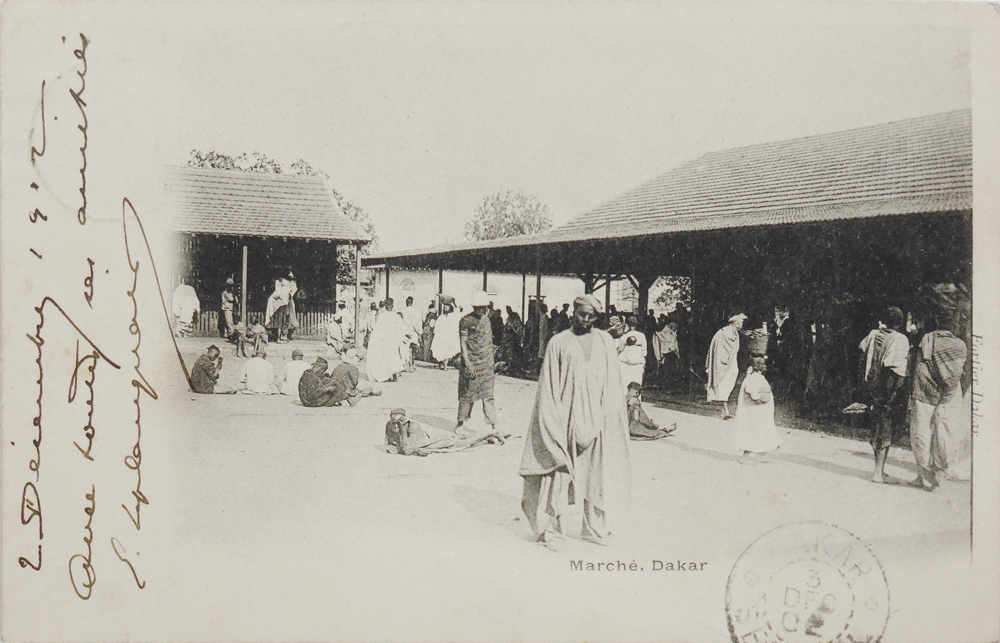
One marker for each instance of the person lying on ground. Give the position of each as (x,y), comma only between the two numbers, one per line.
(408,437)
(640,425)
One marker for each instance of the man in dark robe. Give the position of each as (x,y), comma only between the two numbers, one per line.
(316,388)
(476,376)
(513,331)
(577,443)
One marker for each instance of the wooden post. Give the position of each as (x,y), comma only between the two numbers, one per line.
(485,273)
(524,292)
(440,288)
(538,294)
(607,293)
(387,279)
(357,295)
(243,293)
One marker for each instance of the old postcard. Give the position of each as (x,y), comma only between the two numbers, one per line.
(481,321)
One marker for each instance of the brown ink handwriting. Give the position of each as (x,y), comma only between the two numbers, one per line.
(81,571)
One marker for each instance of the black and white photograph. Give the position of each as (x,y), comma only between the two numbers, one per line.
(478,321)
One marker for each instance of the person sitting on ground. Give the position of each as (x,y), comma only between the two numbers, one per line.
(316,388)
(293,372)
(335,333)
(754,432)
(640,425)
(258,375)
(407,437)
(348,372)
(205,373)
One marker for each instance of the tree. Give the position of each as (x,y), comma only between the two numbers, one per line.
(508,214)
(255,162)
(675,290)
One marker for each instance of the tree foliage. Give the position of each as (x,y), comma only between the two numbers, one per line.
(675,290)
(255,162)
(508,214)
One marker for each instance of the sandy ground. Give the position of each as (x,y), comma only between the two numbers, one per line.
(317,534)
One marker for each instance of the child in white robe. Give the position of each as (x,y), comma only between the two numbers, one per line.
(754,432)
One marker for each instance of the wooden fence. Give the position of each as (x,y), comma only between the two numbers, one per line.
(312,323)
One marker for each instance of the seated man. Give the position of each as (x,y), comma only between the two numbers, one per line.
(316,388)
(407,437)
(640,426)
(293,372)
(205,373)
(335,334)
(258,374)
(348,372)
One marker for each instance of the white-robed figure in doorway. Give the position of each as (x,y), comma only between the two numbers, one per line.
(754,431)
(446,344)
(721,365)
(384,359)
(184,305)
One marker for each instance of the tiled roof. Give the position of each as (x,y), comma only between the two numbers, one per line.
(915,166)
(255,204)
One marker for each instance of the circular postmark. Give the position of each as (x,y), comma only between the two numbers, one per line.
(807,582)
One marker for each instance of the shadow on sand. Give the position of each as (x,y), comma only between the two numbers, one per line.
(493,508)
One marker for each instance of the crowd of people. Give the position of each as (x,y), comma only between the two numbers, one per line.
(591,369)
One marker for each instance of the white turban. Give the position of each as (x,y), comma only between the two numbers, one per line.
(591,301)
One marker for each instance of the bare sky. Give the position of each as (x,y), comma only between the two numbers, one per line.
(417,112)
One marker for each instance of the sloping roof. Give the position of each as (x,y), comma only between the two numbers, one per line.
(914,166)
(254,204)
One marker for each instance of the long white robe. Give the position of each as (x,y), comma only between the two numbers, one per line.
(577,440)
(753,429)
(384,358)
(446,343)
(721,364)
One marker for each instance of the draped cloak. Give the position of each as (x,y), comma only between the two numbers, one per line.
(384,359)
(579,427)
(445,344)
(721,364)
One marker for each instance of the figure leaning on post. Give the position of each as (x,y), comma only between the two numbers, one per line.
(577,444)
(886,352)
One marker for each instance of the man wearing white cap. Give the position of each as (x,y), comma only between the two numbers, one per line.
(721,365)
(577,444)
(476,376)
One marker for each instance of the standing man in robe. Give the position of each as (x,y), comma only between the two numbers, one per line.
(577,443)
(476,376)
(384,361)
(227,325)
(414,328)
(887,351)
(936,403)
(721,364)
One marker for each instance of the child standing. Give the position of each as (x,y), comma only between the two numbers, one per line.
(754,432)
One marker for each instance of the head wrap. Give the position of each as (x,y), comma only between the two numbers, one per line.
(590,300)
(480,299)
(399,411)
(297,352)
(737,317)
(351,357)
(320,360)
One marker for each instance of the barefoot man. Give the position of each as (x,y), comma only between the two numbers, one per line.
(577,444)
(721,365)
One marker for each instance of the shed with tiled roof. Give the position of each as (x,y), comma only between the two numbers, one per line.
(279,223)
(857,218)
